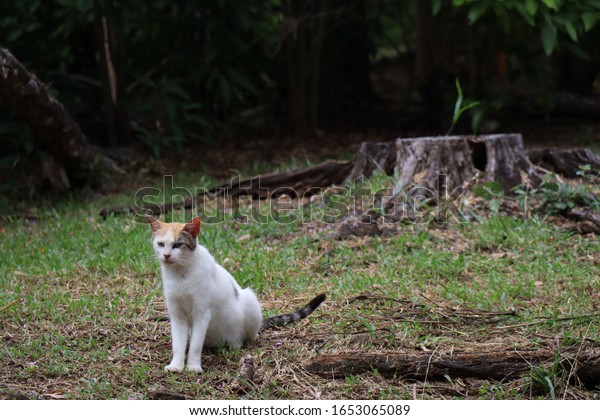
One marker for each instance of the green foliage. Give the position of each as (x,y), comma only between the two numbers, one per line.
(185,75)
(189,80)
(552,17)
(209,75)
(556,197)
(180,120)
(492,192)
(49,37)
(506,44)
(548,379)
(217,63)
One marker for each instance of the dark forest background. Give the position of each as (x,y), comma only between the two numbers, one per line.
(165,75)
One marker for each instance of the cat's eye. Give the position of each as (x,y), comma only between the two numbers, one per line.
(177,245)
(160,244)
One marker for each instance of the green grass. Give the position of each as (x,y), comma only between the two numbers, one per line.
(77,294)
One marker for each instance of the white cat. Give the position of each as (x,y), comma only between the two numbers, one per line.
(204,301)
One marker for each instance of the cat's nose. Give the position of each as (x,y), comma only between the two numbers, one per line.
(167,256)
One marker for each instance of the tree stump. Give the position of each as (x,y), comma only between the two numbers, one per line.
(372,156)
(424,161)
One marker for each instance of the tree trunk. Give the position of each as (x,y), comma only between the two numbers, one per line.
(433,366)
(36,105)
(327,56)
(299,57)
(431,80)
(424,63)
(107,17)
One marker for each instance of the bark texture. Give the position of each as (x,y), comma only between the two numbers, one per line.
(565,162)
(294,183)
(499,158)
(371,157)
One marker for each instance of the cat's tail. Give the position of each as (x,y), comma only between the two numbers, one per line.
(306,310)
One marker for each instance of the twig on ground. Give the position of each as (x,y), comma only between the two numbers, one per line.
(543,321)
(8,305)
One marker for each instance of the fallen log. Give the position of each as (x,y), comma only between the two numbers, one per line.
(297,183)
(502,365)
(565,162)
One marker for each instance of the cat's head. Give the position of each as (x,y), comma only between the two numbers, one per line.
(174,242)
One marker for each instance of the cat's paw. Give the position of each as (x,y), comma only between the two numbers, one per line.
(194,368)
(173,367)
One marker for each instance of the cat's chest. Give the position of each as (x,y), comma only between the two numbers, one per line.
(181,286)
(185,296)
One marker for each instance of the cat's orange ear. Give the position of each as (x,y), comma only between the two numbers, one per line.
(193,227)
(155,224)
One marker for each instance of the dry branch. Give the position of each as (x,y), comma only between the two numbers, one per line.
(247,372)
(586,221)
(8,305)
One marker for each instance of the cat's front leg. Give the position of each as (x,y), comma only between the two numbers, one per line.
(199,328)
(179,334)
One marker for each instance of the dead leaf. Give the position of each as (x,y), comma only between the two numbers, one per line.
(244,238)
(55,396)
(499,254)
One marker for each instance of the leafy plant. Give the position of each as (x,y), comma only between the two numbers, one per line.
(554,197)
(459,109)
(588,174)
(509,42)
(492,192)
(178,117)
(547,380)
(552,17)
